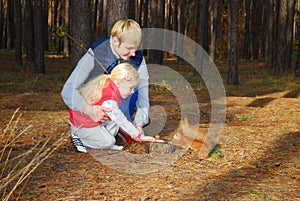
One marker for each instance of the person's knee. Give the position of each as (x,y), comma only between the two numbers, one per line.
(112,128)
(106,143)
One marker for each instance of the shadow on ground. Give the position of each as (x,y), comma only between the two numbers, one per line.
(285,151)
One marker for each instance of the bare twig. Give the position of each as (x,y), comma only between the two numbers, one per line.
(80,45)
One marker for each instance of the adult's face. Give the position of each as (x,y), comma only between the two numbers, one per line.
(125,49)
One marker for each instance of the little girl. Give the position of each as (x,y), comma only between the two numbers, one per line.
(107,90)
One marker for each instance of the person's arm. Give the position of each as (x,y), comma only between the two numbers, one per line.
(142,103)
(70,92)
(117,115)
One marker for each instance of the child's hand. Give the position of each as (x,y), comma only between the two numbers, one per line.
(140,128)
(149,139)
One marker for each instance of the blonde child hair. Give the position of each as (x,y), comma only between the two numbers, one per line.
(127,30)
(92,90)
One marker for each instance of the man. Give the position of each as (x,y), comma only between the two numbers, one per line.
(102,56)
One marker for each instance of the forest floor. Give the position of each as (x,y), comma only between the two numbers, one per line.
(257,156)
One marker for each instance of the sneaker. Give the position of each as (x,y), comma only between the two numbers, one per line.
(117,147)
(78,144)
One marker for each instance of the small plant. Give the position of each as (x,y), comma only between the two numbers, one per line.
(244,118)
(234,172)
(252,192)
(217,153)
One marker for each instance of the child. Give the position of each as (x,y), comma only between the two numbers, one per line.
(107,90)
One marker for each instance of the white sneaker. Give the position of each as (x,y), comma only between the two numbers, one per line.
(117,147)
(78,144)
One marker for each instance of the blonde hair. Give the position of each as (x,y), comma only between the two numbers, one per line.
(92,90)
(127,30)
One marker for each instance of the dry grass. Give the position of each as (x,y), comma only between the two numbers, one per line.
(15,170)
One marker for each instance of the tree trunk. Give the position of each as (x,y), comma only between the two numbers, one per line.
(140,12)
(146,13)
(201,31)
(105,29)
(297,66)
(270,33)
(94,18)
(39,60)
(281,54)
(131,9)
(214,28)
(45,30)
(66,25)
(116,10)
(175,20)
(156,21)
(10,15)
(167,21)
(80,28)
(202,24)
(187,17)
(18,33)
(255,28)
(144,22)
(28,31)
(233,42)
(1,23)
(246,52)
(264,32)
(290,32)
(180,42)
(175,14)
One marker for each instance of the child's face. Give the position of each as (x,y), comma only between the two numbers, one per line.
(126,88)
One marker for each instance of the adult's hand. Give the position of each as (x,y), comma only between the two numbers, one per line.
(97,112)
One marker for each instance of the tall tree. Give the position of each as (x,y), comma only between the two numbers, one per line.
(270,45)
(45,7)
(1,23)
(39,60)
(202,24)
(246,49)
(10,21)
(233,21)
(214,27)
(256,14)
(156,21)
(18,33)
(132,9)
(140,11)
(201,31)
(297,66)
(180,42)
(145,23)
(116,10)
(66,25)
(175,15)
(175,20)
(290,31)
(28,31)
(280,52)
(80,28)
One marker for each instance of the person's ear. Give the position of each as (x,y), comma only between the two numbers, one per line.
(115,40)
(117,82)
